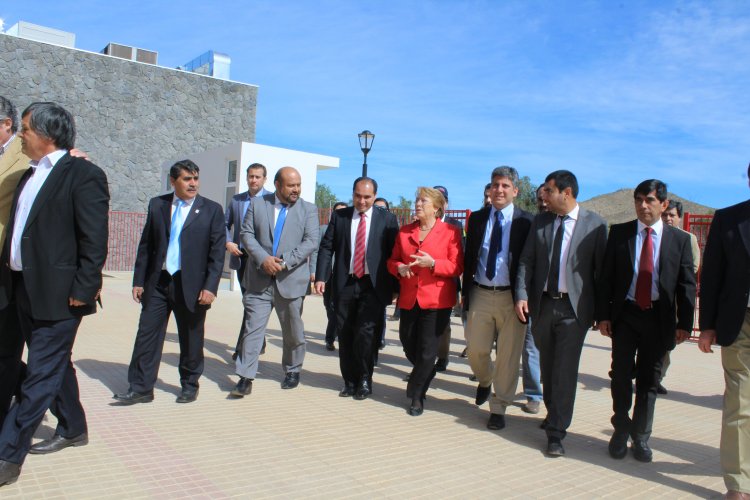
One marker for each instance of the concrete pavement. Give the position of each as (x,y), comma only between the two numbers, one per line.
(310,443)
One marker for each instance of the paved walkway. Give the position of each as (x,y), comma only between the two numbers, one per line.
(308,442)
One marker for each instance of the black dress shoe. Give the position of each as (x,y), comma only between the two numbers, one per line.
(243,388)
(660,389)
(382,345)
(641,450)
(330,346)
(187,396)
(132,397)
(9,472)
(416,408)
(483,394)
(472,378)
(463,353)
(496,422)
(441,365)
(544,424)
(363,391)
(234,355)
(618,445)
(291,380)
(263,348)
(555,447)
(57,443)
(348,390)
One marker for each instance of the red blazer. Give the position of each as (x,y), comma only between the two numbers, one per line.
(431,288)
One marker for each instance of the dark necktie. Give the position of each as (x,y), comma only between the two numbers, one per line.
(645,272)
(553,278)
(359,247)
(496,246)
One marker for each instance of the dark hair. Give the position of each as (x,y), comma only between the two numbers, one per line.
(677,205)
(539,188)
(8,110)
(509,173)
(387,205)
(748,170)
(564,179)
(645,187)
(339,204)
(53,122)
(186,165)
(368,179)
(488,186)
(253,166)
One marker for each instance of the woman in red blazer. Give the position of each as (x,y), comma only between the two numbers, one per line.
(427,258)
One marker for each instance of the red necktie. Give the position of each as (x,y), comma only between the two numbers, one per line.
(359,247)
(645,273)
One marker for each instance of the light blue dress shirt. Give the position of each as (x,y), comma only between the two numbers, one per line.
(502,275)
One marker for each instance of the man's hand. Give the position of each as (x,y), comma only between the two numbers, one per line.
(234,249)
(681,336)
(705,340)
(522,310)
(271,265)
(205,298)
(137,292)
(605,328)
(312,278)
(75,302)
(320,287)
(77,153)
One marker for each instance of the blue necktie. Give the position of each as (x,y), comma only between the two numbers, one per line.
(173,251)
(279,226)
(496,245)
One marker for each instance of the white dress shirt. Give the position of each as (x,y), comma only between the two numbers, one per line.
(355,224)
(569,221)
(658,231)
(31,189)
(5,146)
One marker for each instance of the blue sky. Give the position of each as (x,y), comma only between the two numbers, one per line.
(615,92)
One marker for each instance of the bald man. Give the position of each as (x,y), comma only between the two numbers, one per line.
(279,232)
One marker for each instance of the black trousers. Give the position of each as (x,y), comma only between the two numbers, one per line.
(636,338)
(330,314)
(559,338)
(50,381)
(359,314)
(149,341)
(11,350)
(419,332)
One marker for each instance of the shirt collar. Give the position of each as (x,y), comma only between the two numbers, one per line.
(49,161)
(658,226)
(507,212)
(4,147)
(279,202)
(368,213)
(189,202)
(573,214)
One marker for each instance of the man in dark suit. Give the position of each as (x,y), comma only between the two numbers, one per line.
(177,269)
(280,232)
(235,214)
(556,287)
(51,266)
(361,239)
(647,282)
(494,240)
(725,320)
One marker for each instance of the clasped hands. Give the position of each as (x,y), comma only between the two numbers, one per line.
(272,265)
(421,259)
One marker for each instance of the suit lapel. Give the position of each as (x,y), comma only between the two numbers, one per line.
(194,212)
(270,212)
(744,229)
(631,243)
(166,214)
(376,226)
(49,187)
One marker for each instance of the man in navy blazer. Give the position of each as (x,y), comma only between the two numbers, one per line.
(51,267)
(725,320)
(235,214)
(646,301)
(177,269)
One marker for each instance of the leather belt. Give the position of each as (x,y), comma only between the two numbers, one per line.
(556,296)
(493,288)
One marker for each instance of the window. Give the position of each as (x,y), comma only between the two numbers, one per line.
(232,171)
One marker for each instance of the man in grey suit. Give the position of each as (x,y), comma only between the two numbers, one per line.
(280,232)
(560,263)
(235,214)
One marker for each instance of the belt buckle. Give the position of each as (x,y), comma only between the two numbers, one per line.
(556,296)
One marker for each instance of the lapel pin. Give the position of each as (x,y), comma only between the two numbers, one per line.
(197,210)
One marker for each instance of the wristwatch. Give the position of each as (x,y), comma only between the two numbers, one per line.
(283,265)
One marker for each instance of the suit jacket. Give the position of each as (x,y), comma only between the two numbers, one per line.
(431,288)
(337,241)
(233,219)
(202,247)
(725,277)
(585,259)
(676,278)
(299,239)
(477,225)
(13,164)
(64,242)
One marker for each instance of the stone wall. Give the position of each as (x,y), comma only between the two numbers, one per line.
(131,117)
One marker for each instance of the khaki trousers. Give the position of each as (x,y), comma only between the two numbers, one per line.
(735,424)
(490,316)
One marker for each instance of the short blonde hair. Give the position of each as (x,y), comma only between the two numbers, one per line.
(435,196)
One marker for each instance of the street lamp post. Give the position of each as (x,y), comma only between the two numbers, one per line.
(365,143)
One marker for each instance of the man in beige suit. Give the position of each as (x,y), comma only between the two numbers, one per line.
(13,163)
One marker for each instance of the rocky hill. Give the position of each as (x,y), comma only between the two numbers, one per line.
(617,207)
